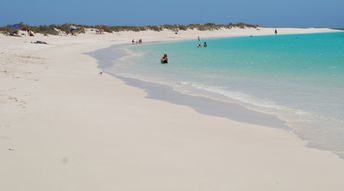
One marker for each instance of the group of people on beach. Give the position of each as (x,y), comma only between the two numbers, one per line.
(136,42)
(100,31)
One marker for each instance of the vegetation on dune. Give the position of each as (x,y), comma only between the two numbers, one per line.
(43,29)
(74,28)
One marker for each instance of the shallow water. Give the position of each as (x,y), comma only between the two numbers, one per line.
(298,78)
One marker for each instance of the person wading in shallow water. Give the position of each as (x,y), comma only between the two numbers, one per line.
(164,59)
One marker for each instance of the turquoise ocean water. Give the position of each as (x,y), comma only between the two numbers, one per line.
(299,78)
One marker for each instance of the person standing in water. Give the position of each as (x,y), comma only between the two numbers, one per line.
(164,59)
(205,45)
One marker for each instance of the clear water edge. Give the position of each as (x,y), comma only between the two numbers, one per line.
(325,132)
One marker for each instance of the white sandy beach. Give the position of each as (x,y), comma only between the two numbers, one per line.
(64,127)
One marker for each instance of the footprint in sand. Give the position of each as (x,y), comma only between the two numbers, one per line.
(13,98)
(65,160)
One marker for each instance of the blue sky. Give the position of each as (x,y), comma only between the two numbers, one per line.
(278,13)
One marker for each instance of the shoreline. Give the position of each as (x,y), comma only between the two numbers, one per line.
(64,127)
(203,104)
(242,36)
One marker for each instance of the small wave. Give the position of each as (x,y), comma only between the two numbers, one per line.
(287,113)
(235,95)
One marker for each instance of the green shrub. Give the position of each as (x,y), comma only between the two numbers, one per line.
(53,29)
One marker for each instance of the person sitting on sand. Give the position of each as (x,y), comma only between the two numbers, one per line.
(133,41)
(164,59)
(275,31)
(140,41)
(100,31)
(205,45)
(30,33)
